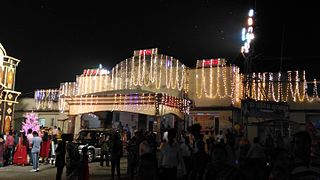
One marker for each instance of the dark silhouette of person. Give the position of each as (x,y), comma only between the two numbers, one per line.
(60,157)
(303,166)
(147,159)
(257,160)
(116,153)
(73,164)
(84,164)
(104,144)
(269,147)
(170,157)
(199,161)
(133,153)
(219,168)
(280,165)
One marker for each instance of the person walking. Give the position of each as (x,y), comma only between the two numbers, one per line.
(36,144)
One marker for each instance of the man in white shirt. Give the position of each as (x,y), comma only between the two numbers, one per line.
(221,136)
(30,138)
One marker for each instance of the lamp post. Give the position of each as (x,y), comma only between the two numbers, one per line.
(247,37)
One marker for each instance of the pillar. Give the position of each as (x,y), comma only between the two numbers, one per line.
(77,124)
(142,122)
(107,121)
(71,124)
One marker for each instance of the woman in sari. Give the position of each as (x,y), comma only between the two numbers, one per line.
(20,155)
(45,147)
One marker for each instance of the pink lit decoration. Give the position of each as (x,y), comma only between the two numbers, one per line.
(31,122)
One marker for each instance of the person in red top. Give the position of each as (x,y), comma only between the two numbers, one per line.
(20,155)
(45,147)
(9,146)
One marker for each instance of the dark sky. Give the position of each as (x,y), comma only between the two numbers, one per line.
(56,39)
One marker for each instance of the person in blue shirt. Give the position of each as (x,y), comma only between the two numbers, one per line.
(36,144)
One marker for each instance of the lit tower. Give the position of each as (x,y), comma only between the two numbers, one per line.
(247,34)
(8,96)
(247,38)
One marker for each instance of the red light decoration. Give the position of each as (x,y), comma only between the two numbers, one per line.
(210,62)
(145,52)
(91,72)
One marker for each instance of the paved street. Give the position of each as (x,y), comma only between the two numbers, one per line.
(48,172)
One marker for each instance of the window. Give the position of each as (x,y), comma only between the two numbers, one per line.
(42,122)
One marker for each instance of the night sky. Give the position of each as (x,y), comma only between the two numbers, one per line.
(56,39)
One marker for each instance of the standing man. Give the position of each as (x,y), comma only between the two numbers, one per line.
(104,143)
(30,138)
(36,143)
(60,157)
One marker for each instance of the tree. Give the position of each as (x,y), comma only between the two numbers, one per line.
(31,122)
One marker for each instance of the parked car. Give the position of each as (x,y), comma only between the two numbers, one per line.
(90,138)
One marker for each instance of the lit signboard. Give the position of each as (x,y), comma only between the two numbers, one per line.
(211,62)
(95,72)
(145,52)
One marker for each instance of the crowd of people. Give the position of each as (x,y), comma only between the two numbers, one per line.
(185,155)
(28,148)
(223,155)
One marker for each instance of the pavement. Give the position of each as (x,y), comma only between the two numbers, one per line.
(48,172)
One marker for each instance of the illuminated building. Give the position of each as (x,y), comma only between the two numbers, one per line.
(156,85)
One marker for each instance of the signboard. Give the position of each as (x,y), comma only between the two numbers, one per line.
(264,109)
(211,62)
(145,52)
(95,72)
